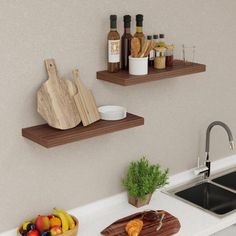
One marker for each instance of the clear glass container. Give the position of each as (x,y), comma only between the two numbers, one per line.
(160,59)
(169,55)
(188,54)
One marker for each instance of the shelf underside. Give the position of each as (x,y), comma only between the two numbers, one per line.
(50,137)
(179,68)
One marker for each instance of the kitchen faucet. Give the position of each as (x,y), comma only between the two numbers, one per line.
(207,168)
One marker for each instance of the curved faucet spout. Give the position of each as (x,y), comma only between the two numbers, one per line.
(207,149)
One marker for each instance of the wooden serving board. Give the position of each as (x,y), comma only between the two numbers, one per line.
(55,100)
(171,226)
(85,101)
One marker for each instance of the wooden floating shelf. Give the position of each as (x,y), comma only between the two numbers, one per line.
(179,69)
(50,137)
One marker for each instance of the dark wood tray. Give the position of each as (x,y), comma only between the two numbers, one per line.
(171,225)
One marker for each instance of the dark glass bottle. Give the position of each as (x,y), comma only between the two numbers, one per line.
(113,39)
(139,29)
(126,43)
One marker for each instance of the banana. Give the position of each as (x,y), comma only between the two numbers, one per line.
(64,221)
(25,224)
(68,217)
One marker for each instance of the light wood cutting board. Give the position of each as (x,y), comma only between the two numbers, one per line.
(85,101)
(55,100)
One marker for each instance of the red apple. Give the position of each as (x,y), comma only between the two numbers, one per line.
(42,223)
(56,230)
(33,232)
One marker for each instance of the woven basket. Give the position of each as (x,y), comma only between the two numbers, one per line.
(72,232)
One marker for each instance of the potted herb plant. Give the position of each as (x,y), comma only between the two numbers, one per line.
(142,180)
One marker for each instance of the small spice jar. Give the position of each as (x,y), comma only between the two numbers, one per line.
(160,59)
(169,55)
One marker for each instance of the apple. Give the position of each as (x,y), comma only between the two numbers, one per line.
(56,230)
(42,223)
(33,232)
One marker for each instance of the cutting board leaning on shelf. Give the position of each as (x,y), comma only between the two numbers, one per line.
(85,101)
(55,100)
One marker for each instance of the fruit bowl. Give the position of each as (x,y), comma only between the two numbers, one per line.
(72,232)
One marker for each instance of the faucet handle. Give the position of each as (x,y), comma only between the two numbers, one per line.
(201,170)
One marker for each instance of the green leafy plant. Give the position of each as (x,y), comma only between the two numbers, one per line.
(144,178)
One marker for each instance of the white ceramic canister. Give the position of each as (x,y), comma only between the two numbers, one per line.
(138,65)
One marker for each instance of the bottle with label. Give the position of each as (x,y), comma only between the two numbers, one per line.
(126,43)
(113,39)
(139,29)
(151,55)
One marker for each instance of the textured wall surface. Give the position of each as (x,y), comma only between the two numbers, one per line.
(177,111)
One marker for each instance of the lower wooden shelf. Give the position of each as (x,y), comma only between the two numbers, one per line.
(50,137)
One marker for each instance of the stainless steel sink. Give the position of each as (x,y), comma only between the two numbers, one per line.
(216,195)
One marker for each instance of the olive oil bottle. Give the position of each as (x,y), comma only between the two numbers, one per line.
(113,39)
(139,29)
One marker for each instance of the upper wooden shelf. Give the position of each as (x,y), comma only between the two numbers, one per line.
(50,137)
(124,78)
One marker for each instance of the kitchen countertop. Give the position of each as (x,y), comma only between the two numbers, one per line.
(96,216)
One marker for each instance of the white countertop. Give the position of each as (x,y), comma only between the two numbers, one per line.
(96,216)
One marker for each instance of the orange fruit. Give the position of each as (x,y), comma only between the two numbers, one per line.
(55,221)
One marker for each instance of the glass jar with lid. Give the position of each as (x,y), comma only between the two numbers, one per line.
(169,55)
(160,59)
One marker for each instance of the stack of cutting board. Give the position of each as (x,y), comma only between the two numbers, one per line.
(65,103)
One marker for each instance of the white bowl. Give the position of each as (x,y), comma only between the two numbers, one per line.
(112,112)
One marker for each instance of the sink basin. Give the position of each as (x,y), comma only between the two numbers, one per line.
(227,180)
(210,197)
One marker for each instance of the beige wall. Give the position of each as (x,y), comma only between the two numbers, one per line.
(177,111)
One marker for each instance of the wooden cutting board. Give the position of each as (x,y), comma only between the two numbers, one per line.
(170,226)
(85,101)
(55,100)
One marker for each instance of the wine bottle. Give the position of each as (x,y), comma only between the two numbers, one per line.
(113,39)
(126,43)
(139,29)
